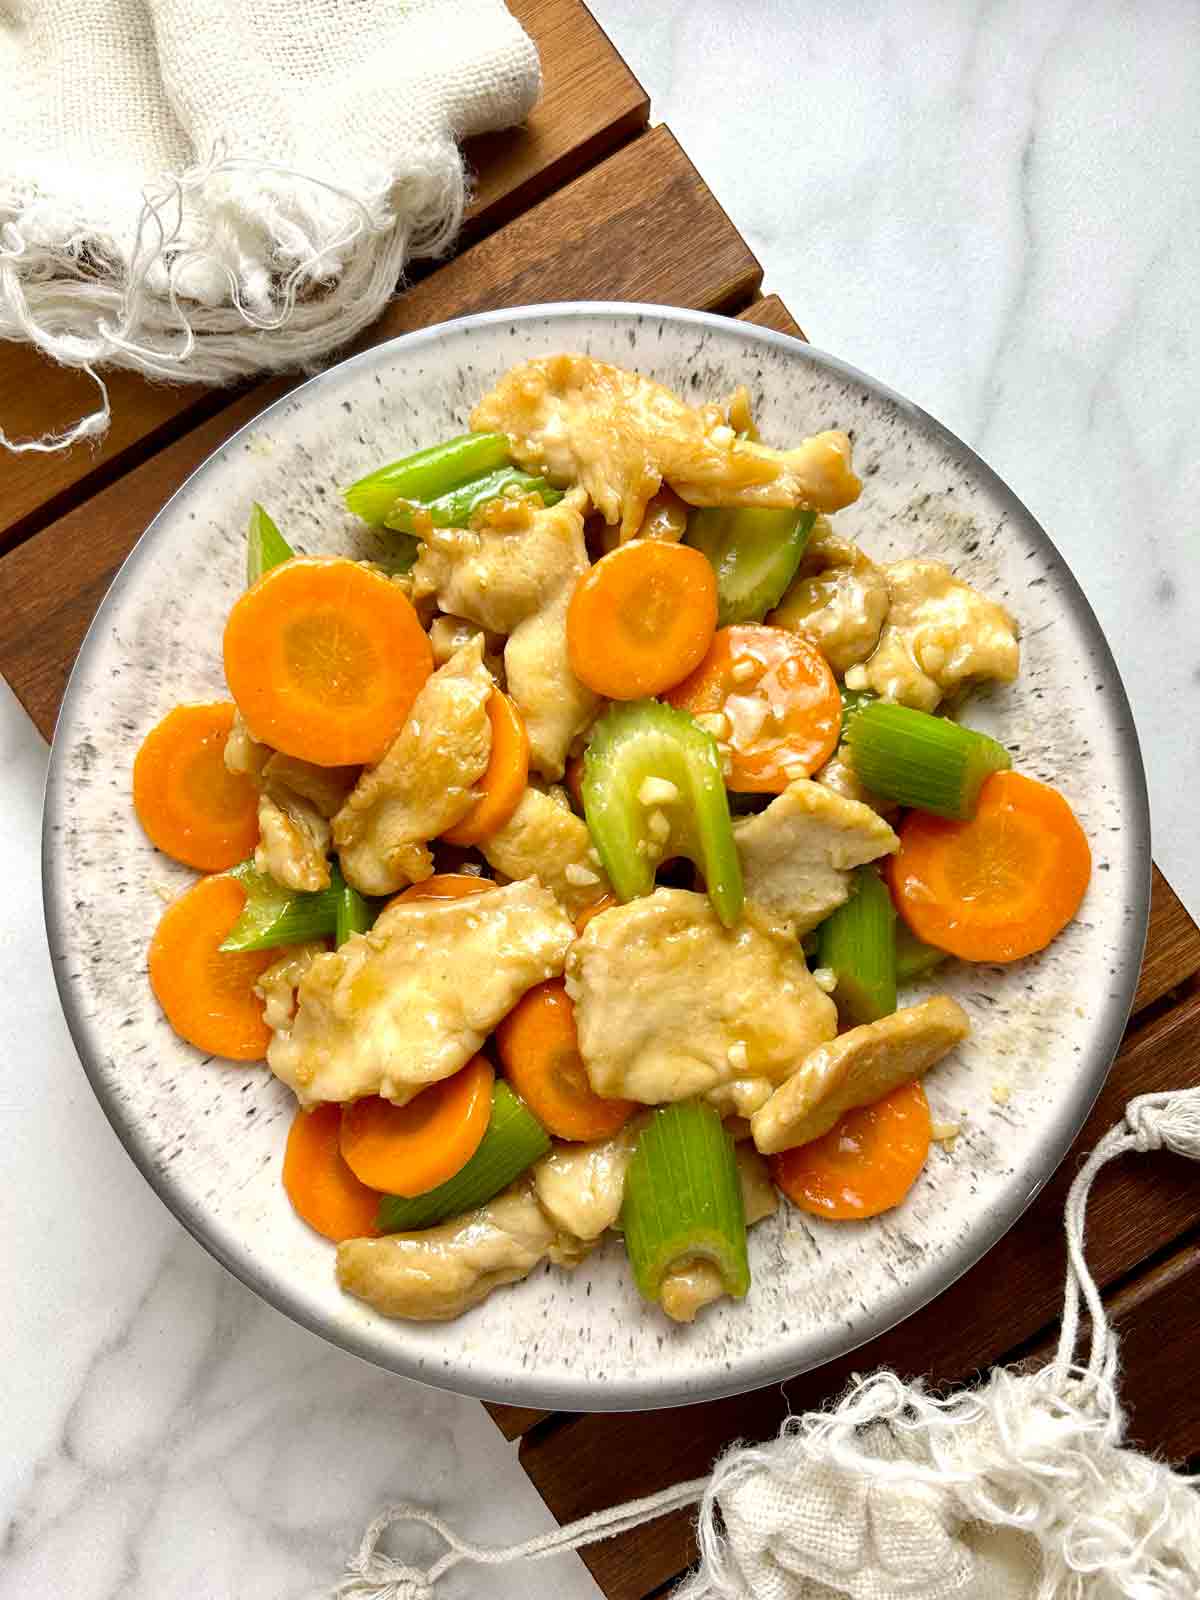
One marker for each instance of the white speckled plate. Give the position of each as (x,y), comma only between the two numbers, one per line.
(209,1136)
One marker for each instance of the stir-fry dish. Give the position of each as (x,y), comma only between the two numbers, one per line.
(570,871)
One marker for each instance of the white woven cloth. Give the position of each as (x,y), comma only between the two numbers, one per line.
(201,189)
(1020,1489)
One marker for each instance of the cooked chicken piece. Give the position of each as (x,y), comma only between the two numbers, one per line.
(940,634)
(423,785)
(514,574)
(670,1004)
(739,414)
(441,1272)
(621,435)
(394,1010)
(797,854)
(857,1069)
(447,635)
(545,838)
(838,599)
(580,1186)
(837,774)
(296,800)
(277,986)
(696,1283)
(665,518)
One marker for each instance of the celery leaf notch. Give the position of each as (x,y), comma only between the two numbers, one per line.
(683,1200)
(653,789)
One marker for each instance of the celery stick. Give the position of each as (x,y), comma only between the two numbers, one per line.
(918,760)
(858,943)
(265,545)
(754,553)
(456,508)
(514,1140)
(427,474)
(683,1200)
(643,739)
(353,914)
(914,958)
(274,916)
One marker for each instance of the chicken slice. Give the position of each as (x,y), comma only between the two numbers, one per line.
(396,1009)
(514,573)
(423,785)
(580,1187)
(277,986)
(549,840)
(670,1004)
(940,634)
(296,801)
(441,1272)
(797,854)
(857,1069)
(839,599)
(691,1285)
(621,435)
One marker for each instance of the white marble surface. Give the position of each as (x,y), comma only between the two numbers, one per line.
(992,208)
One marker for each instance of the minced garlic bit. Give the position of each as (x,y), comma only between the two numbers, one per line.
(723,434)
(164,892)
(945,1133)
(593,856)
(739,1056)
(657,792)
(714,722)
(1001,1093)
(659,826)
(579,876)
(743,669)
(793,770)
(856,678)
(825,978)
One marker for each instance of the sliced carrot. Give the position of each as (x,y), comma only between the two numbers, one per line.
(779,701)
(186,798)
(442,886)
(865,1164)
(605,903)
(1000,886)
(207,994)
(325,658)
(320,1185)
(504,781)
(540,1051)
(411,1149)
(641,618)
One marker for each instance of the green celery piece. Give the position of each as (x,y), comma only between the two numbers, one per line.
(265,545)
(754,554)
(853,700)
(353,914)
(918,760)
(456,508)
(858,943)
(643,739)
(400,555)
(513,1140)
(683,1200)
(427,474)
(274,916)
(914,958)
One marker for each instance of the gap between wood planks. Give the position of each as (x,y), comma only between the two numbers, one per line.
(591,105)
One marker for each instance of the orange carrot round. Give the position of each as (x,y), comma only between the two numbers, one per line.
(779,700)
(442,886)
(1000,886)
(185,797)
(865,1164)
(539,1048)
(605,903)
(411,1149)
(504,781)
(320,1185)
(208,994)
(325,658)
(641,618)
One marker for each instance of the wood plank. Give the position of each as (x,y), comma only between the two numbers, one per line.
(1172,945)
(1138,1207)
(642,225)
(514,1421)
(590,104)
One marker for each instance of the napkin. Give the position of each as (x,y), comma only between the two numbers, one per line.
(201,189)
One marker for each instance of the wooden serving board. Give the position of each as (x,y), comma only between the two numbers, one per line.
(588,201)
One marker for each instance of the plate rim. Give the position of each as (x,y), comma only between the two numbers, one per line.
(524,1389)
